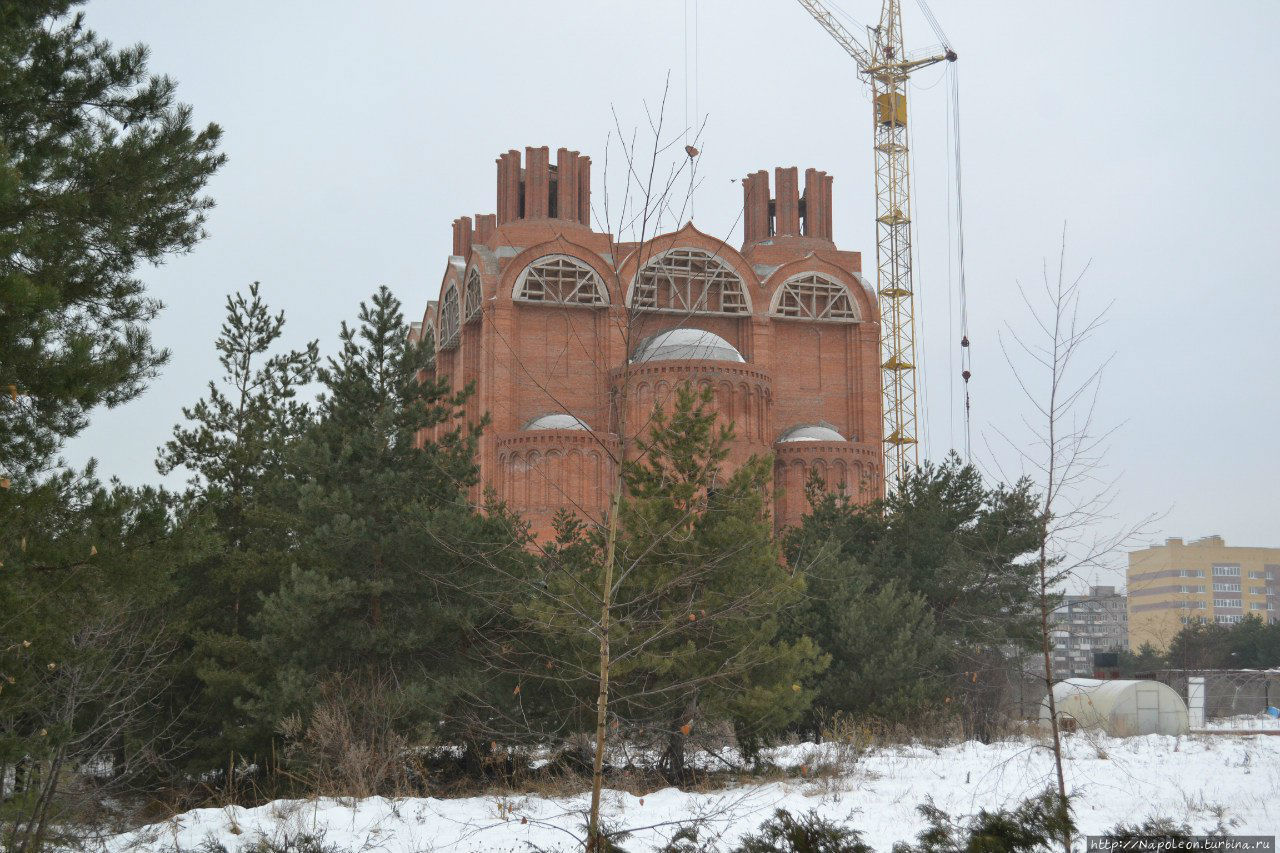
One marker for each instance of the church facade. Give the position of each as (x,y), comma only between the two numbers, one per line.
(571,337)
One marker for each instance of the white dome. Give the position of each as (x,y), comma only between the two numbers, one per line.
(687,344)
(811,432)
(556,421)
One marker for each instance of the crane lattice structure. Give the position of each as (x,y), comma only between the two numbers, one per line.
(887,68)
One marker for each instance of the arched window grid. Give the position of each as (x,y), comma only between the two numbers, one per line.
(689,281)
(560,280)
(450,322)
(472,302)
(814,296)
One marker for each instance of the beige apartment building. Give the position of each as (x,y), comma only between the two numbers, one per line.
(1205,580)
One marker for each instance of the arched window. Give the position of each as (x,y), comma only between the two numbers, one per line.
(449,320)
(689,281)
(560,280)
(471,306)
(813,296)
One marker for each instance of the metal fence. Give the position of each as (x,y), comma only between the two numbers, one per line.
(1228,692)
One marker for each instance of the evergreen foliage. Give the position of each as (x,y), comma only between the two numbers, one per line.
(695,628)
(100,171)
(886,655)
(1036,824)
(384,583)
(1248,644)
(1147,659)
(234,444)
(910,592)
(809,833)
(89,650)
(1151,829)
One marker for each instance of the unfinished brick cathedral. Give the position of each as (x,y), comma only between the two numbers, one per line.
(550,319)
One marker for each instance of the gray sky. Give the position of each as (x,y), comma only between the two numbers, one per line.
(358,132)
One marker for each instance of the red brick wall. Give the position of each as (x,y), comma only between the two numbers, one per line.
(530,359)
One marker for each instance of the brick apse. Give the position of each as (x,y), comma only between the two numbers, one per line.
(550,319)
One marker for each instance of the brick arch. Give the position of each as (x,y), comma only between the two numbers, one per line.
(452,277)
(816,263)
(840,476)
(747,409)
(449,313)
(833,296)
(689,237)
(559,246)
(472,294)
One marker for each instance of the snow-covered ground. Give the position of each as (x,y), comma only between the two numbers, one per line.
(1206,780)
(1245,722)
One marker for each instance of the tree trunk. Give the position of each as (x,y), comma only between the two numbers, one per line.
(1045,646)
(672,761)
(595,842)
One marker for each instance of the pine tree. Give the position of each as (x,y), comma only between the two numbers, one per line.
(100,171)
(234,445)
(699,595)
(944,542)
(887,660)
(383,586)
(89,651)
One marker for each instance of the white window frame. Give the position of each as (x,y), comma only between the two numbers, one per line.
(450,321)
(473,301)
(689,293)
(536,290)
(803,293)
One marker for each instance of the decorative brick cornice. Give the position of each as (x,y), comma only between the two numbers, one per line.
(805,450)
(534,439)
(685,369)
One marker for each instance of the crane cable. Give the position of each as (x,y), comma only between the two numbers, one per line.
(953,77)
(690,148)
(966,364)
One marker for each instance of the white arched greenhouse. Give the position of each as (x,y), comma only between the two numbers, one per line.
(1120,708)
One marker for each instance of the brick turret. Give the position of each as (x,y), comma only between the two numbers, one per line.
(544,191)
(788,214)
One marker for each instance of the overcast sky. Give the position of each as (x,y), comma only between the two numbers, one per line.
(357,132)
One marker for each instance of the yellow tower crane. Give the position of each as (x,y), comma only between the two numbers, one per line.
(885,65)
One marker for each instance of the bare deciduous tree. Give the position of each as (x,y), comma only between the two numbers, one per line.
(1064,449)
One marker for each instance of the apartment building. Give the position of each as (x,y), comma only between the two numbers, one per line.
(1083,624)
(1205,580)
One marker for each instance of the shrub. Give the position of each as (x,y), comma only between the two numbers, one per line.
(1036,824)
(809,833)
(1163,828)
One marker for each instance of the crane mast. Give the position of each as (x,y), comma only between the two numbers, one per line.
(886,66)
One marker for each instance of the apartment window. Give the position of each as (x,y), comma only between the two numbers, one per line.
(1258,605)
(1191,573)
(1228,620)
(1194,589)
(1257,576)
(1226,571)
(1261,590)
(1226,602)
(1226,587)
